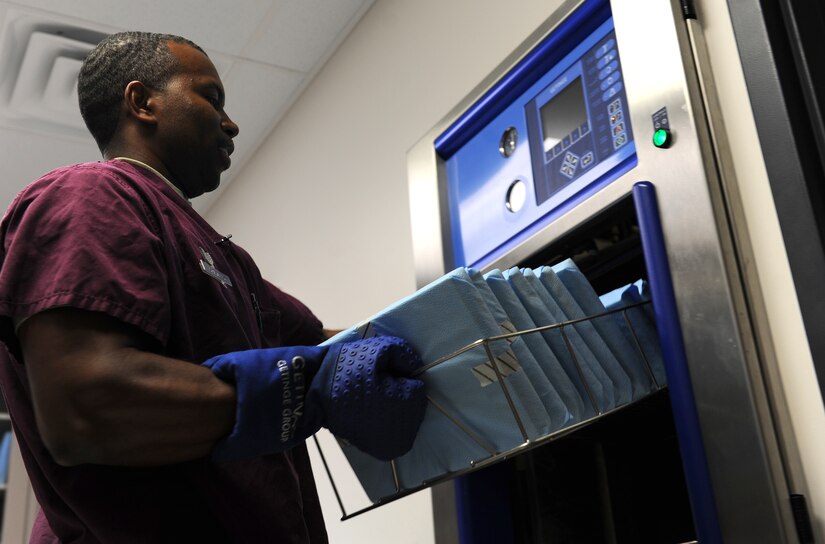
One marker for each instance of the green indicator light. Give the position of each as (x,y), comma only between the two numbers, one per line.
(661,138)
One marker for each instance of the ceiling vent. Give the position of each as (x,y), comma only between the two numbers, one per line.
(39,63)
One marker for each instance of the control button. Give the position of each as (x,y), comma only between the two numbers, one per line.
(508,142)
(619,140)
(516,196)
(609,69)
(557,149)
(614,106)
(618,129)
(612,91)
(565,142)
(587,159)
(574,136)
(610,80)
(608,45)
(605,60)
(584,128)
(616,118)
(662,138)
(568,167)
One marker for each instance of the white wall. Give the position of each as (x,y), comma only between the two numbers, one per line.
(323,205)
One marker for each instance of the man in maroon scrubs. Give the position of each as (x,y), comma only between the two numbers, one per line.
(113,291)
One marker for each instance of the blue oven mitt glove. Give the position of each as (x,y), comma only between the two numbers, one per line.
(361,391)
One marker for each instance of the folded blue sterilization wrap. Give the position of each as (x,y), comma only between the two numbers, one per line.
(566,282)
(437,321)
(554,378)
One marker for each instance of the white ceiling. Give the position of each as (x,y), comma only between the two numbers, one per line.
(266,52)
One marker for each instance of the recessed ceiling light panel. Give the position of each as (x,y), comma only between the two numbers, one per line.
(39,62)
(46,86)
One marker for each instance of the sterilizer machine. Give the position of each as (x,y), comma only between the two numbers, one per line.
(603,140)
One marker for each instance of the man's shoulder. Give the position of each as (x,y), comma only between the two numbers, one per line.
(82,170)
(86,178)
(80,186)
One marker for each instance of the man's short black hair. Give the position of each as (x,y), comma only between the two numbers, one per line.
(116,61)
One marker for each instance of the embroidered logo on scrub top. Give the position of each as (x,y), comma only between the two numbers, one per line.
(208,267)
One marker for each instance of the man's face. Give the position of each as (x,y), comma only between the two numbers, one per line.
(193,137)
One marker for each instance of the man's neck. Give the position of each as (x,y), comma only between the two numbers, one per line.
(138,162)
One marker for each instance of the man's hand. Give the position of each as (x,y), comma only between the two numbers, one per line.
(361,391)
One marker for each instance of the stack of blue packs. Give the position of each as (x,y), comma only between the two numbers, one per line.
(528,385)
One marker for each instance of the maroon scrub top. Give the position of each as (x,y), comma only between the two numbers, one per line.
(113,237)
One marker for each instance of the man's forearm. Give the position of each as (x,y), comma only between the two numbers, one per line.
(163,411)
(101,398)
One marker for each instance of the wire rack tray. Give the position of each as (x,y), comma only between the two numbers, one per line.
(527,442)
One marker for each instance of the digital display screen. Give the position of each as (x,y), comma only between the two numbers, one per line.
(563,114)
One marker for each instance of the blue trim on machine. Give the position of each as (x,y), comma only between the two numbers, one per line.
(483,511)
(697,473)
(573,30)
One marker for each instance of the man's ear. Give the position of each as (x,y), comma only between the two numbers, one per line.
(139,102)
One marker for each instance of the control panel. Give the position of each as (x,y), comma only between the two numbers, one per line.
(565,137)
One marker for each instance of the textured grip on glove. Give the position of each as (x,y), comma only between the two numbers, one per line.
(371,402)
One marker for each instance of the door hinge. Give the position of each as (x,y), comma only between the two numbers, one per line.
(804,529)
(688,9)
